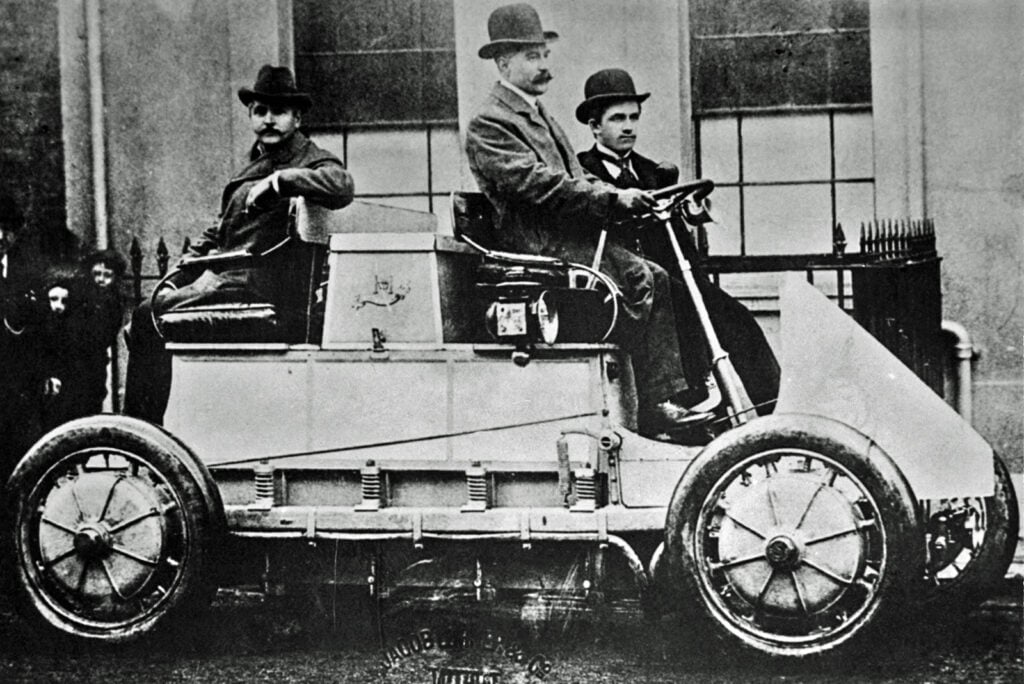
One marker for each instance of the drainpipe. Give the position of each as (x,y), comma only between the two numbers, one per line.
(965,354)
(93,28)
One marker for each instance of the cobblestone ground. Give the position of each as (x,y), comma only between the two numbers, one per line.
(298,641)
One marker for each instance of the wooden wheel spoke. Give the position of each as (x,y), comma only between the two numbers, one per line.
(745,526)
(764,590)
(846,582)
(116,548)
(737,561)
(60,526)
(856,529)
(772,503)
(78,502)
(799,593)
(82,575)
(124,524)
(810,503)
(110,497)
(62,557)
(113,583)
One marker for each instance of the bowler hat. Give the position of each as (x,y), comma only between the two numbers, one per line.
(514,26)
(275,85)
(605,86)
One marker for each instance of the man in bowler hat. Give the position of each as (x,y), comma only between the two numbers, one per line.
(544,203)
(283,163)
(611,109)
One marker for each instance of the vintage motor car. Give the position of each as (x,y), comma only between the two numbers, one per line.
(445,414)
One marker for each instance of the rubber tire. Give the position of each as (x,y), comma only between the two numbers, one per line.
(986,572)
(192,487)
(876,473)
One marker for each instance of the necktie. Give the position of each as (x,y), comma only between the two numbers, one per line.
(554,137)
(626,179)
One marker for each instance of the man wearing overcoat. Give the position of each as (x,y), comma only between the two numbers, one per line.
(544,204)
(283,163)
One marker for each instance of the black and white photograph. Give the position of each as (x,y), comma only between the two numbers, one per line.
(478,342)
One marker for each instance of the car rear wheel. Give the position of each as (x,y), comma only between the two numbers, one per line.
(793,536)
(111,527)
(971,542)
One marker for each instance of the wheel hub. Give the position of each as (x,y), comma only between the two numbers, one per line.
(92,542)
(101,535)
(789,544)
(782,552)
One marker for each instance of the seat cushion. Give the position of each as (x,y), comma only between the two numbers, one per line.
(228,322)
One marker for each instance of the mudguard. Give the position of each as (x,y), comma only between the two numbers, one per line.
(832,367)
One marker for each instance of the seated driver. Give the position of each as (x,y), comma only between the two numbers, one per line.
(544,203)
(611,109)
(283,163)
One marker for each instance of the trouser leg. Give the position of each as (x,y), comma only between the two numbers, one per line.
(647,326)
(148,377)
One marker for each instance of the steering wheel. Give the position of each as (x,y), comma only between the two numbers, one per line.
(688,197)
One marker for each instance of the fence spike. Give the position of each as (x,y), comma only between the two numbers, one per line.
(162,257)
(838,240)
(135,256)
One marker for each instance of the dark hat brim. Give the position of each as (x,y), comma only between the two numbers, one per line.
(587,106)
(496,47)
(301,101)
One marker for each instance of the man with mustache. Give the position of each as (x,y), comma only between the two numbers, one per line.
(523,162)
(611,108)
(283,163)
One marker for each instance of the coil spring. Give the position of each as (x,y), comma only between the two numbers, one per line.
(263,477)
(476,484)
(371,485)
(586,486)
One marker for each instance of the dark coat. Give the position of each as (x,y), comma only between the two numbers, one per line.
(543,200)
(21,312)
(738,331)
(545,204)
(650,242)
(305,170)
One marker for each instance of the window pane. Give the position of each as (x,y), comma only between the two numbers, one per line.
(854,146)
(719,150)
(386,161)
(788,219)
(377,61)
(786,148)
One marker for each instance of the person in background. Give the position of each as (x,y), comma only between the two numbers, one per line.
(57,351)
(283,163)
(612,110)
(21,312)
(102,313)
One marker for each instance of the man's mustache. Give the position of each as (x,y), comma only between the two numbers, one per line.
(268,129)
(543,78)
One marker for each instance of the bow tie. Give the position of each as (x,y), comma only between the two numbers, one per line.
(627,178)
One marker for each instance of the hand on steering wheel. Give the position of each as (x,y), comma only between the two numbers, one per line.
(635,201)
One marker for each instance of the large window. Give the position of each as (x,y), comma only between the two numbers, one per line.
(782,119)
(382,74)
(377,62)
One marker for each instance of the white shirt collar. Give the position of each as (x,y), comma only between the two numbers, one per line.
(530,99)
(614,169)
